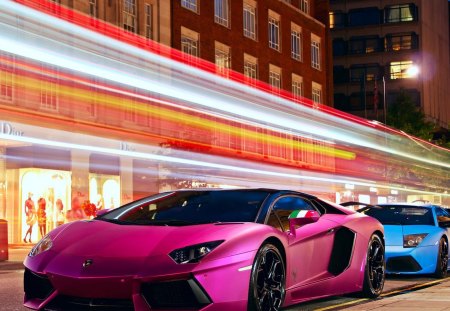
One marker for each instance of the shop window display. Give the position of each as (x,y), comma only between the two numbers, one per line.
(44,195)
(104,191)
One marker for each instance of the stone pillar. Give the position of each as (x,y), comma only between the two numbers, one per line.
(2,183)
(126,180)
(80,175)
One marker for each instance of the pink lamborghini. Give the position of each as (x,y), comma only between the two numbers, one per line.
(252,249)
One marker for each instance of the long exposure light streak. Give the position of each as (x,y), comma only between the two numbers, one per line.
(93,64)
(237,168)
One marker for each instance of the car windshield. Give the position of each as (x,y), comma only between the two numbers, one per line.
(401,215)
(190,207)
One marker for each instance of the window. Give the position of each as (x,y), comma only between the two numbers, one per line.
(304,6)
(400,13)
(221,12)
(222,57)
(129,15)
(400,70)
(49,91)
(296,42)
(6,76)
(250,67)
(274,30)
(364,72)
(275,76)
(148,21)
(364,16)
(190,5)
(250,19)
(297,85)
(316,93)
(315,51)
(364,45)
(339,47)
(189,41)
(282,209)
(340,74)
(130,111)
(93,8)
(337,19)
(399,42)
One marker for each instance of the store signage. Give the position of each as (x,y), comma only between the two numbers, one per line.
(126,147)
(8,129)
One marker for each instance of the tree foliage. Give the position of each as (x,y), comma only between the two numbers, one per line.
(404,115)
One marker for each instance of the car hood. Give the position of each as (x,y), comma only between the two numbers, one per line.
(394,233)
(130,249)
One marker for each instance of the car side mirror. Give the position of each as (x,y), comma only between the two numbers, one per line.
(302,217)
(102,212)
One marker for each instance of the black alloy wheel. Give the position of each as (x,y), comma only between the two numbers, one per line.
(442,260)
(267,280)
(374,275)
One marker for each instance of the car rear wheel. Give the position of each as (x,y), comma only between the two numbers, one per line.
(267,280)
(374,274)
(442,260)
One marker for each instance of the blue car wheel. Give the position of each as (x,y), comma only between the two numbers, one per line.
(442,260)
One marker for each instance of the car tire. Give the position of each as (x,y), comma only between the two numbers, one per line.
(442,260)
(267,280)
(375,270)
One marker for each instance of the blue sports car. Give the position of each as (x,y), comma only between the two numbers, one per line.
(416,236)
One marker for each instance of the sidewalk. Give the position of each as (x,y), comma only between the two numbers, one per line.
(16,256)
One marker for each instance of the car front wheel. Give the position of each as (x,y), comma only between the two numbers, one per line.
(374,274)
(267,280)
(442,260)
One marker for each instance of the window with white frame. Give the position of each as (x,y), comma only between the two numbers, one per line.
(49,91)
(297,85)
(250,67)
(274,30)
(149,21)
(190,5)
(316,93)
(93,8)
(249,19)
(129,15)
(6,76)
(315,51)
(275,76)
(189,41)
(221,12)
(222,57)
(296,42)
(304,6)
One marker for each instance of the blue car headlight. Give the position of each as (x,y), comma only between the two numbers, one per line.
(193,253)
(412,240)
(43,245)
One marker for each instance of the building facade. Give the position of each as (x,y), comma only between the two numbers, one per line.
(383,46)
(284,43)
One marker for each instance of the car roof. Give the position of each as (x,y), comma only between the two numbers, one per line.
(271,190)
(405,204)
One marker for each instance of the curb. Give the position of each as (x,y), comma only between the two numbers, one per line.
(11,265)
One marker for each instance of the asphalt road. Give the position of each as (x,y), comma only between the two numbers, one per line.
(11,291)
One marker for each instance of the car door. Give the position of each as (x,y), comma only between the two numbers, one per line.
(309,247)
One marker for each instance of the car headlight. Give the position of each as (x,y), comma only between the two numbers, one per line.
(43,245)
(412,240)
(193,253)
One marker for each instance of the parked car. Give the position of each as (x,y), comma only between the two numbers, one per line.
(242,249)
(417,236)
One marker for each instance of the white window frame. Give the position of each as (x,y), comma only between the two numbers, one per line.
(222,57)
(250,67)
(189,42)
(315,51)
(129,15)
(297,86)
(316,94)
(275,76)
(274,31)
(304,6)
(191,5)
(222,12)
(249,19)
(296,42)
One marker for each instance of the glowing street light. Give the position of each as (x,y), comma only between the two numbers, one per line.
(412,71)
